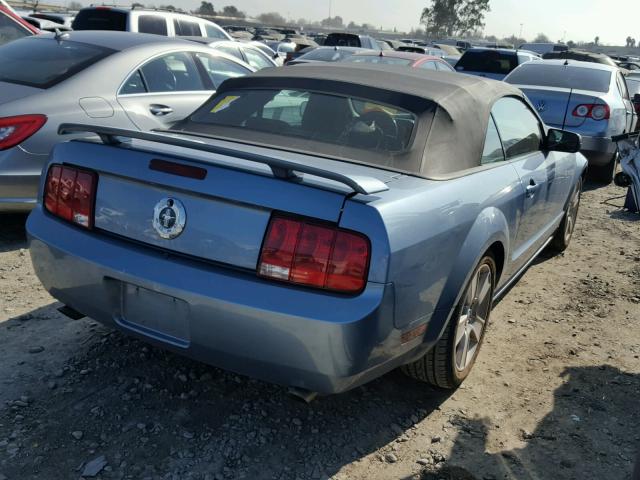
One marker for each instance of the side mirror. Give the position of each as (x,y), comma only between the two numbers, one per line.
(621,179)
(563,141)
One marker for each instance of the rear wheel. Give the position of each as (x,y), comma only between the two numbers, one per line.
(562,237)
(604,173)
(450,361)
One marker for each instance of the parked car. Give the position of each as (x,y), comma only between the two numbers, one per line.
(394,44)
(492,63)
(383,45)
(268,51)
(245,52)
(586,98)
(12,27)
(581,56)
(351,40)
(45,25)
(158,22)
(405,59)
(283,49)
(325,54)
(544,47)
(109,78)
(315,226)
(64,19)
(462,45)
(436,52)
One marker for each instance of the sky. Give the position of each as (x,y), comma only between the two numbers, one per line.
(577,20)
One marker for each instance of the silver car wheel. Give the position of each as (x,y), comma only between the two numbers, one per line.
(473,317)
(572,214)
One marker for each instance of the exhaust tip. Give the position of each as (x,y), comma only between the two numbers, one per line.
(67,311)
(307,396)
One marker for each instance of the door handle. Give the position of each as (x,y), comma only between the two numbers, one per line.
(160,110)
(532,188)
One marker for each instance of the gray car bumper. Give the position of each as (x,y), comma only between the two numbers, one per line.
(231,319)
(19,179)
(598,150)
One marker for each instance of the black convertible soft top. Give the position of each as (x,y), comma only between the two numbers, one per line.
(458,129)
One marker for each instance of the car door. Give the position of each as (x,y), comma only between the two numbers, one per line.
(164,91)
(521,134)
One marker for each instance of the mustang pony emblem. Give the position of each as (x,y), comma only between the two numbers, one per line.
(169,218)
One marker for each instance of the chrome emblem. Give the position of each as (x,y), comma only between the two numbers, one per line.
(169,218)
(541,106)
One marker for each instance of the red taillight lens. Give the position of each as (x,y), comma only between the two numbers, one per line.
(592,110)
(15,130)
(70,193)
(320,256)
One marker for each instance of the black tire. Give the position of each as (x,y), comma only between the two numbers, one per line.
(439,365)
(604,173)
(562,237)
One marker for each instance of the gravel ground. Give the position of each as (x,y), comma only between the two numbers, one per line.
(554,393)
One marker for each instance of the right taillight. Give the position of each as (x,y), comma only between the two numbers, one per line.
(15,130)
(69,193)
(595,111)
(315,255)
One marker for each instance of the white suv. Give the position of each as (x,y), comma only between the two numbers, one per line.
(159,22)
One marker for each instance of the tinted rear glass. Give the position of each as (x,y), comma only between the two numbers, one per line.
(488,62)
(562,77)
(43,63)
(326,55)
(100,19)
(329,124)
(342,40)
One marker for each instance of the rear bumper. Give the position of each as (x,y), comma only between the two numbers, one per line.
(231,319)
(598,150)
(19,179)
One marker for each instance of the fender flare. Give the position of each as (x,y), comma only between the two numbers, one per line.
(490,227)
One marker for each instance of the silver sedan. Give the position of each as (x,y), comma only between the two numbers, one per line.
(118,79)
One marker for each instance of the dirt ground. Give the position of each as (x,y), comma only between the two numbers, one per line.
(555,393)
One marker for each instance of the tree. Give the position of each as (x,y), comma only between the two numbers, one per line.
(74,6)
(571,44)
(541,38)
(206,8)
(596,41)
(352,25)
(272,18)
(452,18)
(232,11)
(332,22)
(137,5)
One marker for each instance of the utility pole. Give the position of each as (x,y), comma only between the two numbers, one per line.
(521,25)
(330,5)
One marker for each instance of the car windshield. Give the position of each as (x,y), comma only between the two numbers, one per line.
(44,62)
(377,59)
(561,76)
(488,61)
(340,126)
(100,19)
(326,55)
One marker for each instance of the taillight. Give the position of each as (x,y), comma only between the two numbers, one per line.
(592,110)
(320,256)
(69,193)
(15,130)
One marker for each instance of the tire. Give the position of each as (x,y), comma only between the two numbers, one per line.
(604,173)
(445,365)
(562,237)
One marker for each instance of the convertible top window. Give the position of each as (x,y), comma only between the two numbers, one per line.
(336,125)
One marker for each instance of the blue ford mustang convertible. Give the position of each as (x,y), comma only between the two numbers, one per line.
(314,227)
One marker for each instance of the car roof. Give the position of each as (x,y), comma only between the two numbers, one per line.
(577,64)
(397,54)
(117,40)
(489,49)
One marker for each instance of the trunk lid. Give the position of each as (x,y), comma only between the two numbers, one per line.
(556,105)
(227,211)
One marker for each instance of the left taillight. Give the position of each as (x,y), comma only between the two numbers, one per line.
(306,253)
(15,130)
(70,193)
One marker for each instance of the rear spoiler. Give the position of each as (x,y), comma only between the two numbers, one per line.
(280,168)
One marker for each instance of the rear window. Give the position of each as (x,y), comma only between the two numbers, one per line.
(326,55)
(100,19)
(376,59)
(335,125)
(488,62)
(561,76)
(43,63)
(342,40)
